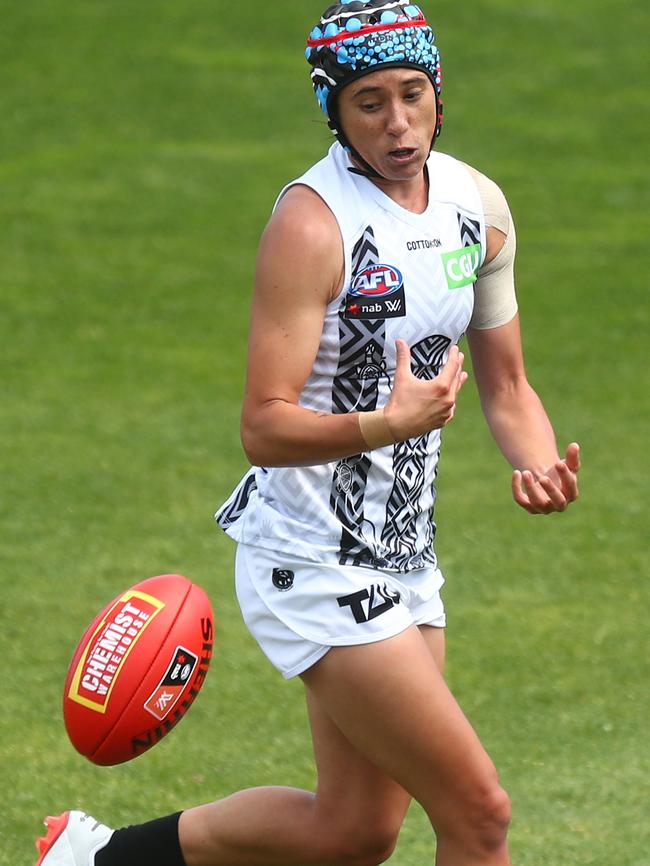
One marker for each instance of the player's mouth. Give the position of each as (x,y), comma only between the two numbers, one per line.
(403,155)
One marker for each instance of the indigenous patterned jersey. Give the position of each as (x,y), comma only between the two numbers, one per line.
(408,276)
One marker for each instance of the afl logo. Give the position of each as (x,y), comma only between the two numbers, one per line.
(376,281)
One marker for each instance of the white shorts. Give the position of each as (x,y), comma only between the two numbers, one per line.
(297,609)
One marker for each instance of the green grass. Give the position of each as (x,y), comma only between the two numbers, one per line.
(142,147)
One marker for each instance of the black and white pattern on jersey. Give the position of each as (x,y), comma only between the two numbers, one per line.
(402,535)
(236,505)
(355,389)
(470,230)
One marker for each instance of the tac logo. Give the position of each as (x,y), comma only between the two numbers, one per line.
(461,266)
(378,599)
(376,292)
(375,281)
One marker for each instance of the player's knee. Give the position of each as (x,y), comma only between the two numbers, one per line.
(478,826)
(490,819)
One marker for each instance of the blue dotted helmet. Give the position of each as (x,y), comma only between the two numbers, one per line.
(360,36)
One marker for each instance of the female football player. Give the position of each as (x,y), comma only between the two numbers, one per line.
(373,266)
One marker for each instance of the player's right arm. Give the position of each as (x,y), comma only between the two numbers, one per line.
(299,271)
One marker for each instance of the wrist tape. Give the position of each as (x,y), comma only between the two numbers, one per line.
(375,430)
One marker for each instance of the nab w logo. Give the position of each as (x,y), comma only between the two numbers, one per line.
(379,600)
(376,292)
(461,266)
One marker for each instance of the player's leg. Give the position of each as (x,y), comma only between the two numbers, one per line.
(353,818)
(286,825)
(358,807)
(434,638)
(390,700)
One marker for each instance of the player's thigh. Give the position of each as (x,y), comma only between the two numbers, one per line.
(352,794)
(348,783)
(434,638)
(390,700)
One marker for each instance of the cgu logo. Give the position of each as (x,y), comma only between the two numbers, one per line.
(461,266)
(376,280)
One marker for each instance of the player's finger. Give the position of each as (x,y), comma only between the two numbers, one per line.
(540,501)
(557,499)
(568,480)
(572,457)
(460,381)
(461,376)
(518,492)
(402,360)
(452,367)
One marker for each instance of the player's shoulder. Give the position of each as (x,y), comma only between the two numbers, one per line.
(495,204)
(484,183)
(300,200)
(301,239)
(303,220)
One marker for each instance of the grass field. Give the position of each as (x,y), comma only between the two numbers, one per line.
(142,147)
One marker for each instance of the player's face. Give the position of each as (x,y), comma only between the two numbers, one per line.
(389,117)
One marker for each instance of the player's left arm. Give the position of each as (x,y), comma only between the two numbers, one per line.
(542,481)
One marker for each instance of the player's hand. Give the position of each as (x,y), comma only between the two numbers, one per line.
(552,491)
(417,406)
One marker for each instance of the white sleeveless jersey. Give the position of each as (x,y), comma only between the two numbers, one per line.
(407,276)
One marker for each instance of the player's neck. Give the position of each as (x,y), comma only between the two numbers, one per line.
(411,193)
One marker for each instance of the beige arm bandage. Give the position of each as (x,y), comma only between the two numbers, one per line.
(495,301)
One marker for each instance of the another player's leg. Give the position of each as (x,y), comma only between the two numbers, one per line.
(391,701)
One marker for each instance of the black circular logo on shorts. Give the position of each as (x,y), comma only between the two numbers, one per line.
(282,579)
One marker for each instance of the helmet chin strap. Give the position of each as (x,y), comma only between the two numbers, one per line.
(366,169)
(370,173)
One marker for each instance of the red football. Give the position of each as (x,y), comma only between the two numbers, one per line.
(137,669)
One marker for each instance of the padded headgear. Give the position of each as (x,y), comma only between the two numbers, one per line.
(355,38)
